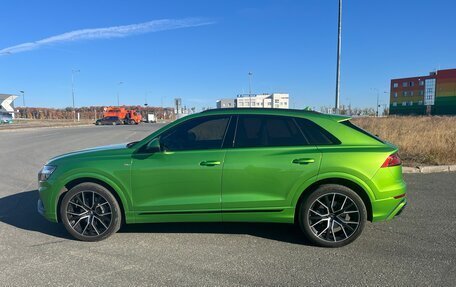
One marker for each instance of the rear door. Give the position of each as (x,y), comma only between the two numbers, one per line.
(269,160)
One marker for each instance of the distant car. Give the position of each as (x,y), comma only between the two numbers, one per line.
(253,165)
(151,118)
(109,121)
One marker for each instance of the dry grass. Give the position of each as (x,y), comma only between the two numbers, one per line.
(421,140)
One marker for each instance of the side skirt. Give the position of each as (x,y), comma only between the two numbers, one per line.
(280,215)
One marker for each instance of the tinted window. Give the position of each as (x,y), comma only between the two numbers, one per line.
(195,134)
(263,131)
(351,125)
(315,134)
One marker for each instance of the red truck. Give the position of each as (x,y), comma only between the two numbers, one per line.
(129,117)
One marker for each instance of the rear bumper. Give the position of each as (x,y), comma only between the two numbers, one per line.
(390,193)
(401,209)
(387,209)
(398,210)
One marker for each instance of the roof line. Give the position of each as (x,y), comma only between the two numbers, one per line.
(260,109)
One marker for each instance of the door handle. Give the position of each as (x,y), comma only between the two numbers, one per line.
(303,160)
(210,163)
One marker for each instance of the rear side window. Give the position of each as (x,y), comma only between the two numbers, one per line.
(351,125)
(267,131)
(315,134)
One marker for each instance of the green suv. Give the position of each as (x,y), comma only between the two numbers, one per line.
(231,165)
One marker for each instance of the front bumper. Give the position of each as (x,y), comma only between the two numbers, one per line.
(46,202)
(40,207)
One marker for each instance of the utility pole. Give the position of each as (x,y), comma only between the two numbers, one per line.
(250,83)
(118,91)
(376,113)
(339,40)
(23,98)
(72,91)
(250,89)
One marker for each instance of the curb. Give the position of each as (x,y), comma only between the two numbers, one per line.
(429,169)
(31,128)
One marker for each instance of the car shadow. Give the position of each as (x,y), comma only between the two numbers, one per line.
(20,210)
(274,231)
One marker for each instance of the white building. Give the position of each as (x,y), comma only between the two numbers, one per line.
(226,103)
(274,100)
(6,107)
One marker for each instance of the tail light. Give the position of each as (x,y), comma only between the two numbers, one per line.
(392,160)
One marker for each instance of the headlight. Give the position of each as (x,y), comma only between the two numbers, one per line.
(46,172)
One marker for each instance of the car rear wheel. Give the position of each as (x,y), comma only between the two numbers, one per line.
(332,216)
(90,212)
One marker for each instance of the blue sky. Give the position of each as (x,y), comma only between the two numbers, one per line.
(289,46)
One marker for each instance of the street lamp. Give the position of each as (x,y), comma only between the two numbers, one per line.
(378,100)
(250,88)
(23,98)
(72,91)
(250,83)
(378,103)
(118,88)
(339,40)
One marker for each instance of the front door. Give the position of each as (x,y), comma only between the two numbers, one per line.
(183,180)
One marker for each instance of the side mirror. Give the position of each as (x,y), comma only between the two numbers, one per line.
(153,145)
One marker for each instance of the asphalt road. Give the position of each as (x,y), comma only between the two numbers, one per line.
(416,249)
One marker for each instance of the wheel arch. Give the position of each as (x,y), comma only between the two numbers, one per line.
(87,179)
(353,185)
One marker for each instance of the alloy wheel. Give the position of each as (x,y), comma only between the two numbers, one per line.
(334,217)
(89,213)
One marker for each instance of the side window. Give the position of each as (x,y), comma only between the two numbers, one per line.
(267,131)
(355,127)
(196,134)
(316,134)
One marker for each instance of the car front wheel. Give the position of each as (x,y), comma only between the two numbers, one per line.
(332,216)
(90,212)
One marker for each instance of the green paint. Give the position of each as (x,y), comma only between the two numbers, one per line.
(261,184)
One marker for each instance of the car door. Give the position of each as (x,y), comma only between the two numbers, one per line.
(183,178)
(270,159)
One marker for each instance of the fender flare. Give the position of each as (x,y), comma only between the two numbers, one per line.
(125,200)
(308,185)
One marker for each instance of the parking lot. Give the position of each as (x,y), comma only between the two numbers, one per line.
(416,249)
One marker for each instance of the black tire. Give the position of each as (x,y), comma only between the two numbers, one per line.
(332,216)
(132,122)
(90,212)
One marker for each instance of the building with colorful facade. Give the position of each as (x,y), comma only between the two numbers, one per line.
(434,94)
